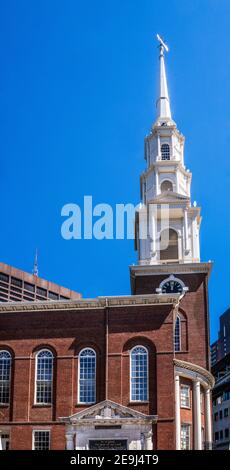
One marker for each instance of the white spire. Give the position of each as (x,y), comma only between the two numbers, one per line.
(163,103)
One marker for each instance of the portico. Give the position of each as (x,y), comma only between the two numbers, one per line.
(199,377)
(109,425)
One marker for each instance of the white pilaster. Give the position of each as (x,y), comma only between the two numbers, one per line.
(157,181)
(186,229)
(208,419)
(148,440)
(177,182)
(69,441)
(158,147)
(197,415)
(177,412)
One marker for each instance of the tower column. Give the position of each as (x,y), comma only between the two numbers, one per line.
(186,229)
(177,182)
(197,415)
(177,412)
(208,420)
(157,181)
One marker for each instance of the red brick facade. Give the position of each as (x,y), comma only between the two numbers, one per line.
(112,327)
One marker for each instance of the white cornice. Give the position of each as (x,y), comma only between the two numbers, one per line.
(196,372)
(90,304)
(166,164)
(179,268)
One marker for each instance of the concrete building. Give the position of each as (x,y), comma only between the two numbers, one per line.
(221,347)
(18,286)
(220,360)
(221,404)
(129,372)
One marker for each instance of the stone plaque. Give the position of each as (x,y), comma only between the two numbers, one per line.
(108,444)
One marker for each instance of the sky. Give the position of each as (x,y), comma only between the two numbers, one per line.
(78,86)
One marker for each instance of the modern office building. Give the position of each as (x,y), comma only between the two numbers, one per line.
(221,347)
(221,404)
(18,286)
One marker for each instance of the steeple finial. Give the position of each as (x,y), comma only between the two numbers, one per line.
(163,103)
(35,270)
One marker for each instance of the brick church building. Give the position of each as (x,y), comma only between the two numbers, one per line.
(129,372)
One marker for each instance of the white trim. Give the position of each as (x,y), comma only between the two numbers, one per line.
(188,425)
(130,374)
(184,407)
(165,142)
(189,373)
(171,278)
(41,430)
(8,381)
(178,316)
(78,378)
(35,378)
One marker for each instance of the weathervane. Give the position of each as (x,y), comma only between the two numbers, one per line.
(162,44)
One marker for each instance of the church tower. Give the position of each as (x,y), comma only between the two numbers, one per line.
(173,222)
(167,222)
(167,241)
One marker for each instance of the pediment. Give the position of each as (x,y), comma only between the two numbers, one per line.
(106,411)
(170,197)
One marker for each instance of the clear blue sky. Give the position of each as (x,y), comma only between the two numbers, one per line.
(77,96)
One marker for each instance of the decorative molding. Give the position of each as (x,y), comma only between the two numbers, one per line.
(188,366)
(89,304)
(108,412)
(177,268)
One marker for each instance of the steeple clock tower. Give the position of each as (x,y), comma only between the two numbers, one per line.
(169,266)
(167,222)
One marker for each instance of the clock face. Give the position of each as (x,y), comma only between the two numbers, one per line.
(172,287)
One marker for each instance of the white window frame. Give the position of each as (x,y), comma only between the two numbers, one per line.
(169,147)
(7,381)
(4,440)
(130,375)
(187,407)
(188,426)
(35,383)
(78,379)
(174,337)
(40,430)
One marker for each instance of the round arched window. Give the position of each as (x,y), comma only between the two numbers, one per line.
(166,186)
(169,244)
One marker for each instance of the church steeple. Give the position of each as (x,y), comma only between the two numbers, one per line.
(166,184)
(163,102)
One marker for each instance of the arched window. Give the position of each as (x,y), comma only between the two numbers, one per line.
(87,376)
(5,376)
(169,245)
(139,374)
(166,186)
(177,334)
(165,152)
(44,377)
